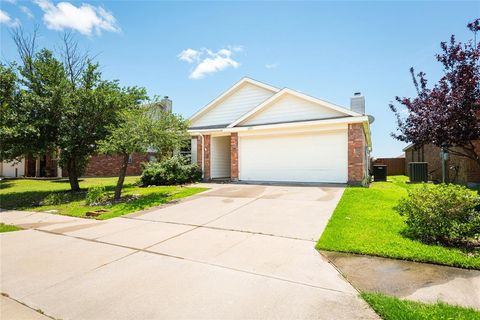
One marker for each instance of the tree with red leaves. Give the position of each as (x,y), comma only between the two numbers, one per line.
(448,114)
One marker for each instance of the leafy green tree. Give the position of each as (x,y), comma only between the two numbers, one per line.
(51,104)
(140,130)
(9,95)
(169,132)
(95,106)
(31,98)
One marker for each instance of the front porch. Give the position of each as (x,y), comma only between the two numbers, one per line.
(217,156)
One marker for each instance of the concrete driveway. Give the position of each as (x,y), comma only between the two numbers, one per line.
(233,252)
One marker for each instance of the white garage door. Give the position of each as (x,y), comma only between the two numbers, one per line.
(307,157)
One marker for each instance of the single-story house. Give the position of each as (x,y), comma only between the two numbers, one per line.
(257,132)
(459,169)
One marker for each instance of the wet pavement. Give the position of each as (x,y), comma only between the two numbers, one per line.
(410,280)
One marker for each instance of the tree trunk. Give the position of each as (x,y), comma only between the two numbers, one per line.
(121,177)
(73,175)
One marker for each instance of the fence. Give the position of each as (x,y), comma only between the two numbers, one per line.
(395,166)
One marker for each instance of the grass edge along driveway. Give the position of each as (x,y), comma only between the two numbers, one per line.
(7,228)
(392,308)
(31,195)
(365,222)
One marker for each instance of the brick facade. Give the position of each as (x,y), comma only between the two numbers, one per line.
(459,169)
(356,153)
(234,156)
(206,150)
(109,165)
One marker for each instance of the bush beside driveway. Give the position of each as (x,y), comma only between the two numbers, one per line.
(54,196)
(365,222)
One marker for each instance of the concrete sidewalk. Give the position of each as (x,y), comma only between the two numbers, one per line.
(11,309)
(409,280)
(235,252)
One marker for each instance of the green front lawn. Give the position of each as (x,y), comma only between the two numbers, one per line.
(27,194)
(7,228)
(391,308)
(365,222)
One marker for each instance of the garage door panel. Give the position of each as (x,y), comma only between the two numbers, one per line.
(312,157)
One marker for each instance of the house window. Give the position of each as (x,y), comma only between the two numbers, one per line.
(130,159)
(186,150)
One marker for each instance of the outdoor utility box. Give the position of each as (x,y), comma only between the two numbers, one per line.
(379,172)
(418,171)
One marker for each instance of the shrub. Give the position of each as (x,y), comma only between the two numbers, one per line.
(442,213)
(174,170)
(57,198)
(95,194)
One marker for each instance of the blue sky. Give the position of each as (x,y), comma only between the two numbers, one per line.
(326,49)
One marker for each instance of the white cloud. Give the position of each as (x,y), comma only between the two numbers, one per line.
(6,19)
(27,12)
(11,1)
(271,65)
(189,55)
(207,61)
(84,19)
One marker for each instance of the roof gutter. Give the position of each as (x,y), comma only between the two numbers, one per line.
(360,119)
(346,120)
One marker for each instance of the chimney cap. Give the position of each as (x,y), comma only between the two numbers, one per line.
(357,94)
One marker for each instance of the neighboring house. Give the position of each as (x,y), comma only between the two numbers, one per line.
(109,165)
(45,166)
(98,166)
(257,132)
(12,169)
(459,169)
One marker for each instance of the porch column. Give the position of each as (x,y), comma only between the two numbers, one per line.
(206,152)
(59,168)
(37,167)
(199,152)
(59,171)
(234,156)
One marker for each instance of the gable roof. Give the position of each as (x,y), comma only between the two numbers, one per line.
(287,91)
(229,92)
